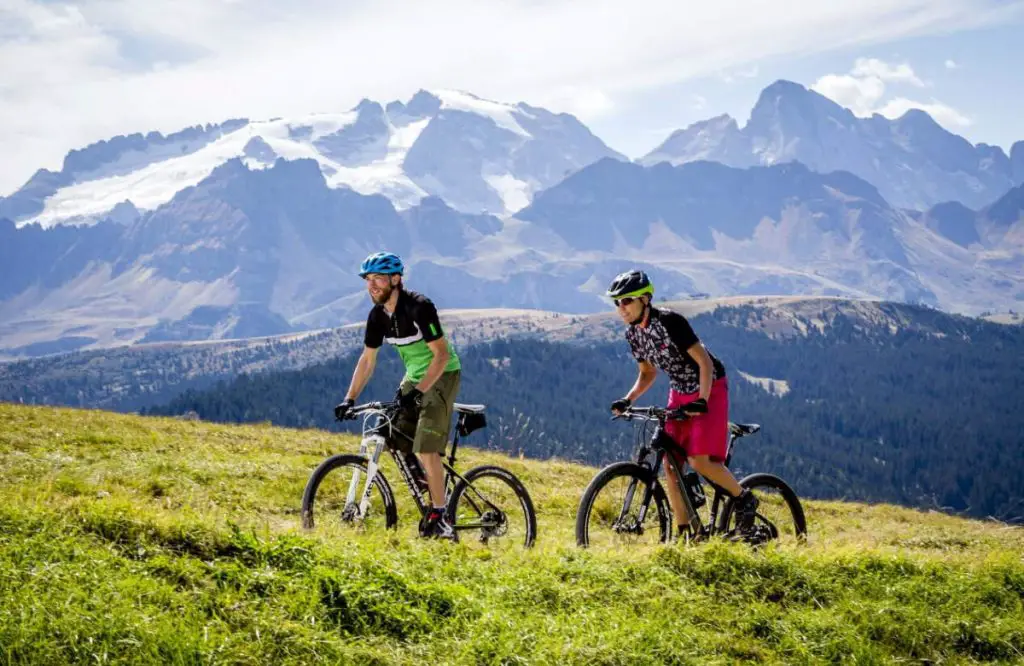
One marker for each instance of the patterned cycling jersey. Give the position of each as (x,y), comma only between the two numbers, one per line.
(413,324)
(664,342)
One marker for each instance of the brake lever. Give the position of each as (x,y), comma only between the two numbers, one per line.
(677,415)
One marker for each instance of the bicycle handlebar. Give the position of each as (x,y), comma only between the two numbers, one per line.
(652,414)
(356,410)
(367,406)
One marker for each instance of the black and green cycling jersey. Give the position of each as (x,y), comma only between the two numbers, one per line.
(413,324)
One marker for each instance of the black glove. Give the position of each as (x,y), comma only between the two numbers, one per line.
(410,399)
(698,406)
(342,410)
(621,405)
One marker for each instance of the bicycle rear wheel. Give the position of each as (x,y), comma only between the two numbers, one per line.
(610,509)
(327,491)
(491,507)
(780,516)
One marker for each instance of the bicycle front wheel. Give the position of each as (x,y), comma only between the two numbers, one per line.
(334,491)
(491,507)
(623,505)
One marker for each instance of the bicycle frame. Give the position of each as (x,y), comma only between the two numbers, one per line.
(372,437)
(662,446)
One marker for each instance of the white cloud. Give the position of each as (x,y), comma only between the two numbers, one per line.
(748,73)
(943,114)
(883,71)
(72,74)
(864,88)
(859,94)
(585,103)
(951,64)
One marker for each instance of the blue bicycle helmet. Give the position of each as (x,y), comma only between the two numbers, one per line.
(384,263)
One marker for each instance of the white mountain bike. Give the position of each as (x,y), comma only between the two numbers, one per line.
(350,490)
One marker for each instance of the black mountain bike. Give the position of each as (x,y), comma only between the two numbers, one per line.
(616,505)
(350,489)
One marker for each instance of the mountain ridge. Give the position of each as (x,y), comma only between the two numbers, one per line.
(913,161)
(475,153)
(267,240)
(283,245)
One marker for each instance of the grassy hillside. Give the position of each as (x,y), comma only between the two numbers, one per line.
(146,540)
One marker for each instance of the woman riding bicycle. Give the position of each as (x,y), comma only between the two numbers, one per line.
(662,339)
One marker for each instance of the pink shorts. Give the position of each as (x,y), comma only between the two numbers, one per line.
(704,434)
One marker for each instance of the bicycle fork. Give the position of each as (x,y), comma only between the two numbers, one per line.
(372,463)
(627,504)
(694,520)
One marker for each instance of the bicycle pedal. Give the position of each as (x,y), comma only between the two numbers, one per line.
(751,537)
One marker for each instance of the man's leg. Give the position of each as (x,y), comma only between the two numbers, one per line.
(404,434)
(435,477)
(404,426)
(431,439)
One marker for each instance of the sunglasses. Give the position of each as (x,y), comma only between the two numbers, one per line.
(619,302)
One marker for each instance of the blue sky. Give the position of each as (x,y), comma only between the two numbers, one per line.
(976,73)
(74,73)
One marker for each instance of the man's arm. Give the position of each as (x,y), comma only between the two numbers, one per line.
(433,334)
(365,366)
(437,364)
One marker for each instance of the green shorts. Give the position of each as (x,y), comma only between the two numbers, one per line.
(428,427)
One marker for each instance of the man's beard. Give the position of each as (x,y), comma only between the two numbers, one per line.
(384,295)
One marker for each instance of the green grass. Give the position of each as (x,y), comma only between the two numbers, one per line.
(131,540)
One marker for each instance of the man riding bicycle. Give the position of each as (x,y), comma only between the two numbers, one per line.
(662,339)
(408,320)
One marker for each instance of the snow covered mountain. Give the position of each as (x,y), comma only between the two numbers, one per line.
(912,160)
(778,230)
(256,228)
(476,154)
(260,251)
(244,252)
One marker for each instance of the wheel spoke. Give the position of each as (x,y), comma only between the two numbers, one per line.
(611,507)
(327,504)
(490,507)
